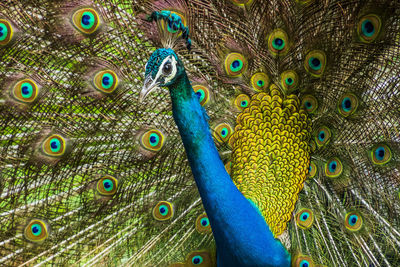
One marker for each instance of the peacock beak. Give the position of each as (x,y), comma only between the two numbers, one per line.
(149,86)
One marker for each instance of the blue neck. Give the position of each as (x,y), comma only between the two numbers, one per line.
(242,236)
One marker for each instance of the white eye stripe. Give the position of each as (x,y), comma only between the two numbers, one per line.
(173,62)
(174,70)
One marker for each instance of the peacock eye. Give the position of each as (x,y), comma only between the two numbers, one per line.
(315,63)
(54,146)
(310,103)
(381,154)
(289,80)
(36,231)
(353,221)
(278,42)
(167,68)
(196,260)
(6,32)
(333,168)
(303,261)
(323,136)
(152,140)
(369,27)
(86,20)
(235,64)
(305,218)
(260,81)
(106,81)
(25,91)
(107,186)
(312,170)
(203,224)
(163,211)
(222,132)
(202,93)
(347,104)
(242,101)
(199,258)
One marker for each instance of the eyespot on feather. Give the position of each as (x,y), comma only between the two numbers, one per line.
(107,185)
(303,261)
(333,168)
(163,211)
(6,32)
(278,42)
(353,221)
(86,20)
(380,154)
(25,91)
(289,80)
(323,136)
(54,145)
(203,224)
(105,81)
(152,140)
(369,28)
(242,101)
(202,93)
(312,170)
(315,63)
(235,64)
(259,82)
(36,231)
(199,258)
(347,104)
(310,103)
(304,218)
(222,132)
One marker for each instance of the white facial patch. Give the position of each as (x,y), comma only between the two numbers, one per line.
(173,62)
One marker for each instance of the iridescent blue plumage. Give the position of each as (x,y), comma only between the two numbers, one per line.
(242,236)
(155,60)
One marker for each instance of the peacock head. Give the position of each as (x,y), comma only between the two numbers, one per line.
(162,69)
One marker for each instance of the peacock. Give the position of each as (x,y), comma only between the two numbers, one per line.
(200,133)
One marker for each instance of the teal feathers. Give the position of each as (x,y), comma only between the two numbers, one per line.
(90,176)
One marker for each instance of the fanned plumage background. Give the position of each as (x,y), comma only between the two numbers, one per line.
(103,131)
